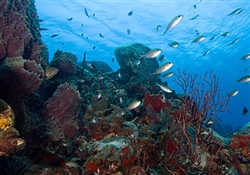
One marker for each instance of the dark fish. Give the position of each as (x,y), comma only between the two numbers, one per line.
(194,17)
(86,12)
(161,58)
(43,29)
(93,47)
(100,35)
(84,61)
(197,32)
(173,44)
(234,41)
(128,32)
(93,15)
(40,20)
(62,44)
(130,13)
(70,19)
(225,34)
(158,28)
(244,111)
(215,36)
(236,11)
(195,6)
(82,25)
(113,59)
(205,53)
(54,35)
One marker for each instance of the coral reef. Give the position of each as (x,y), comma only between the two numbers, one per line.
(9,136)
(65,62)
(61,112)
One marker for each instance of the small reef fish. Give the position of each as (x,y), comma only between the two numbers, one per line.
(91,66)
(234,41)
(236,11)
(54,35)
(167,75)
(70,19)
(194,17)
(161,58)
(173,44)
(152,53)
(40,20)
(130,13)
(245,57)
(209,122)
(173,23)
(247,69)
(163,67)
(100,35)
(94,47)
(244,79)
(198,39)
(232,93)
(41,29)
(225,34)
(134,104)
(86,12)
(196,32)
(112,59)
(205,53)
(50,72)
(72,164)
(244,111)
(214,37)
(158,28)
(128,31)
(136,63)
(165,88)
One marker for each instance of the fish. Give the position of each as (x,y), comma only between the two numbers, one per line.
(136,63)
(128,31)
(173,44)
(245,57)
(236,11)
(234,41)
(165,88)
(196,32)
(247,69)
(100,35)
(119,75)
(86,12)
(232,93)
(42,28)
(173,23)
(70,19)
(215,36)
(209,122)
(72,164)
(84,61)
(134,104)
(40,20)
(158,27)
(244,111)
(112,59)
(194,17)
(167,75)
(99,96)
(54,35)
(91,66)
(152,53)
(198,39)
(225,34)
(163,67)
(161,58)
(195,6)
(50,72)
(244,79)
(205,53)
(130,13)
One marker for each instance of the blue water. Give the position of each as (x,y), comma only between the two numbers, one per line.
(111,20)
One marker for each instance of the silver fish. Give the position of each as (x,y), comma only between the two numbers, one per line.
(167,75)
(236,11)
(165,88)
(153,53)
(173,23)
(134,104)
(234,41)
(244,79)
(163,67)
(225,34)
(246,57)
(233,93)
(173,44)
(198,39)
(205,53)
(215,36)
(158,28)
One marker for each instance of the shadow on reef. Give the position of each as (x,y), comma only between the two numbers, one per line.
(83,118)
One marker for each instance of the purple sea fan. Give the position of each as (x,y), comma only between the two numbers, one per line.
(61,112)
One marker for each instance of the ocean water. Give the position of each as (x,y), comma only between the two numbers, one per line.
(79,33)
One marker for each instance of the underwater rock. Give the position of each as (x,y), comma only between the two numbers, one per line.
(127,55)
(9,141)
(97,66)
(19,78)
(61,112)
(65,62)
(20,30)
